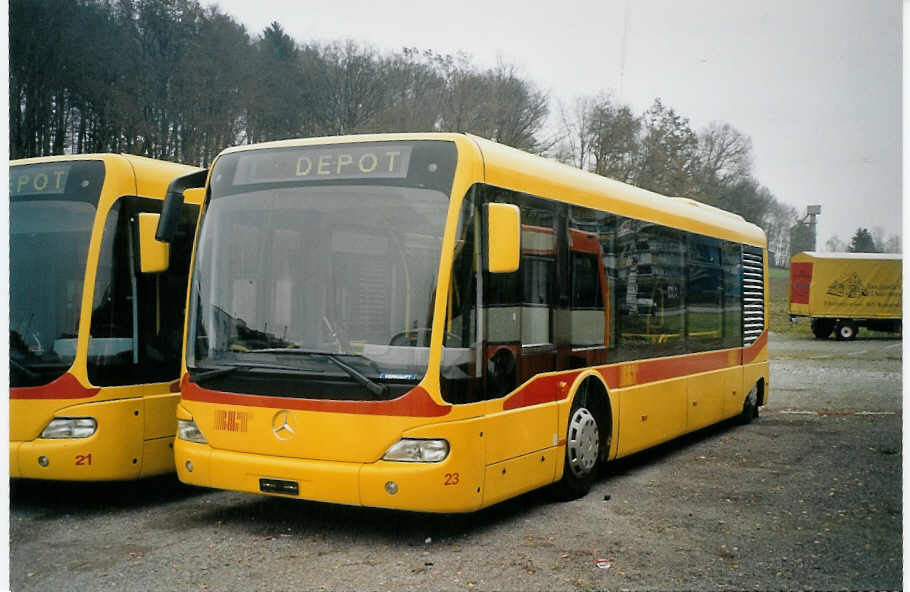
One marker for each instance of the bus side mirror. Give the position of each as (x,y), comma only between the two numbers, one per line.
(173,203)
(503,237)
(154,255)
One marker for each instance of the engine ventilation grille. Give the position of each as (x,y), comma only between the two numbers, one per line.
(753,294)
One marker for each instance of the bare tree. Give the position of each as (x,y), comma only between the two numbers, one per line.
(893,244)
(616,143)
(835,245)
(574,145)
(415,92)
(724,158)
(517,109)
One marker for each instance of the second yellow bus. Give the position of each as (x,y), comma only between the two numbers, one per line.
(95,331)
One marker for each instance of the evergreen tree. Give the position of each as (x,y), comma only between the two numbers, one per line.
(862,242)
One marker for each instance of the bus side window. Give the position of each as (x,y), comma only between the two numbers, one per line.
(732,261)
(704,287)
(518,309)
(137,319)
(461,376)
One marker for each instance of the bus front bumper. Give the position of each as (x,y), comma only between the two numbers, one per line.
(87,459)
(422,487)
(14,471)
(67,460)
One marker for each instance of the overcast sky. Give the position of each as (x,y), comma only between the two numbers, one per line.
(816,84)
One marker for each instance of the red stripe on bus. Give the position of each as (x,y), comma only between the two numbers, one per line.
(646,371)
(414,403)
(65,387)
(751,352)
(546,389)
(542,389)
(655,370)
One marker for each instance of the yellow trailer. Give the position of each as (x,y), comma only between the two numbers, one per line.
(841,292)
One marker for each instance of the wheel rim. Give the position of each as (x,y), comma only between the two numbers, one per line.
(846,331)
(583,443)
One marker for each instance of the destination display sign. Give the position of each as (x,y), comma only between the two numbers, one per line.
(324,163)
(38,179)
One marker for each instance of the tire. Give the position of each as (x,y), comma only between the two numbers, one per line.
(822,328)
(750,407)
(846,331)
(584,447)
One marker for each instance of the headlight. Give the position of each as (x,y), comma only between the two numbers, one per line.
(189,431)
(70,427)
(414,450)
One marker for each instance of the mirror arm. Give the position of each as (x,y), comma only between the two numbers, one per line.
(173,202)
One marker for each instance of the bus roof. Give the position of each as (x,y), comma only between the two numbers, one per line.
(508,167)
(520,171)
(152,176)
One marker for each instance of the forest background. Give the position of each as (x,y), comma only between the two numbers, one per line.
(174,80)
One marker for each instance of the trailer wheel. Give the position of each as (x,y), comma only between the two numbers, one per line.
(846,331)
(822,328)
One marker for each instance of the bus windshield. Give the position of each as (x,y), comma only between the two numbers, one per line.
(318,289)
(52,210)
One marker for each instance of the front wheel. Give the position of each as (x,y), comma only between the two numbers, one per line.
(583,450)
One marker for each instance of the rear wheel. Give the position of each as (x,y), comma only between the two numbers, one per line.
(846,331)
(822,328)
(584,447)
(750,407)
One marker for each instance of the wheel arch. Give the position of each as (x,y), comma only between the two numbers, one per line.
(607,411)
(760,388)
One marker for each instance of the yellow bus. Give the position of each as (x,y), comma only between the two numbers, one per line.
(95,334)
(436,322)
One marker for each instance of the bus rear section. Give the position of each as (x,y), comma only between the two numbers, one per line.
(415,322)
(94,342)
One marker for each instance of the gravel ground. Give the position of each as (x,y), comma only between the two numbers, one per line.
(808,497)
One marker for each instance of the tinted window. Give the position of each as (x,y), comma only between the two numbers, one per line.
(52,212)
(137,319)
(733,288)
(633,290)
(586,281)
(705,293)
(651,290)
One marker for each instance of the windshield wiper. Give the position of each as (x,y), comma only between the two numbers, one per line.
(228,369)
(205,375)
(376,389)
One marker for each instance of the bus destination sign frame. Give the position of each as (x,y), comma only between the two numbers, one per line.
(323,163)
